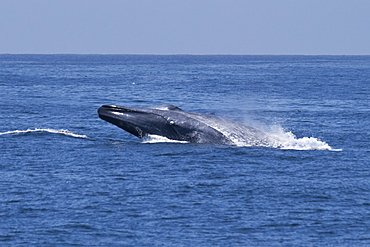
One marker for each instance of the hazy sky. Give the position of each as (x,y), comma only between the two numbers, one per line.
(185,26)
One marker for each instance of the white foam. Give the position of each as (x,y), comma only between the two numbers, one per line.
(54,131)
(287,140)
(159,139)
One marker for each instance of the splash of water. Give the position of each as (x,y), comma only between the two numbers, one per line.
(278,138)
(53,131)
(159,139)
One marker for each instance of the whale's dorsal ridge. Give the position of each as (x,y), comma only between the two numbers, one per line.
(166,107)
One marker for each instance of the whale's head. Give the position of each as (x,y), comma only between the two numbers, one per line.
(165,120)
(139,121)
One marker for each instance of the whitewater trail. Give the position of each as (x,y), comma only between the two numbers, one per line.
(53,131)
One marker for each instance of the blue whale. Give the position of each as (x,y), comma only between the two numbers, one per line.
(173,123)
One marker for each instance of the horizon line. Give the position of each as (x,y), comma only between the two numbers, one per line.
(182,54)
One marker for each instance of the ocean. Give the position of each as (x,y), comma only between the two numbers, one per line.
(68,178)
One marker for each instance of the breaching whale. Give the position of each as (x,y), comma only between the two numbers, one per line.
(173,123)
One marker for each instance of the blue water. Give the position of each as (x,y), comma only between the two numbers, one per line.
(68,178)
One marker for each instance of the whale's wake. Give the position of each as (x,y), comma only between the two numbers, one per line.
(53,131)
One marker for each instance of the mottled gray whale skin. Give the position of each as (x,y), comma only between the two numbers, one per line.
(175,124)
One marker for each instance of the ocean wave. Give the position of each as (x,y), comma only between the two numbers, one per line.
(53,131)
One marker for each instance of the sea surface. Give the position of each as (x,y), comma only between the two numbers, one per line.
(68,178)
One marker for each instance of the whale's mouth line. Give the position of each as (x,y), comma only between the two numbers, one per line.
(114,108)
(108,110)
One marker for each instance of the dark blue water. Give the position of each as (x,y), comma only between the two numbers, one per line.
(68,178)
